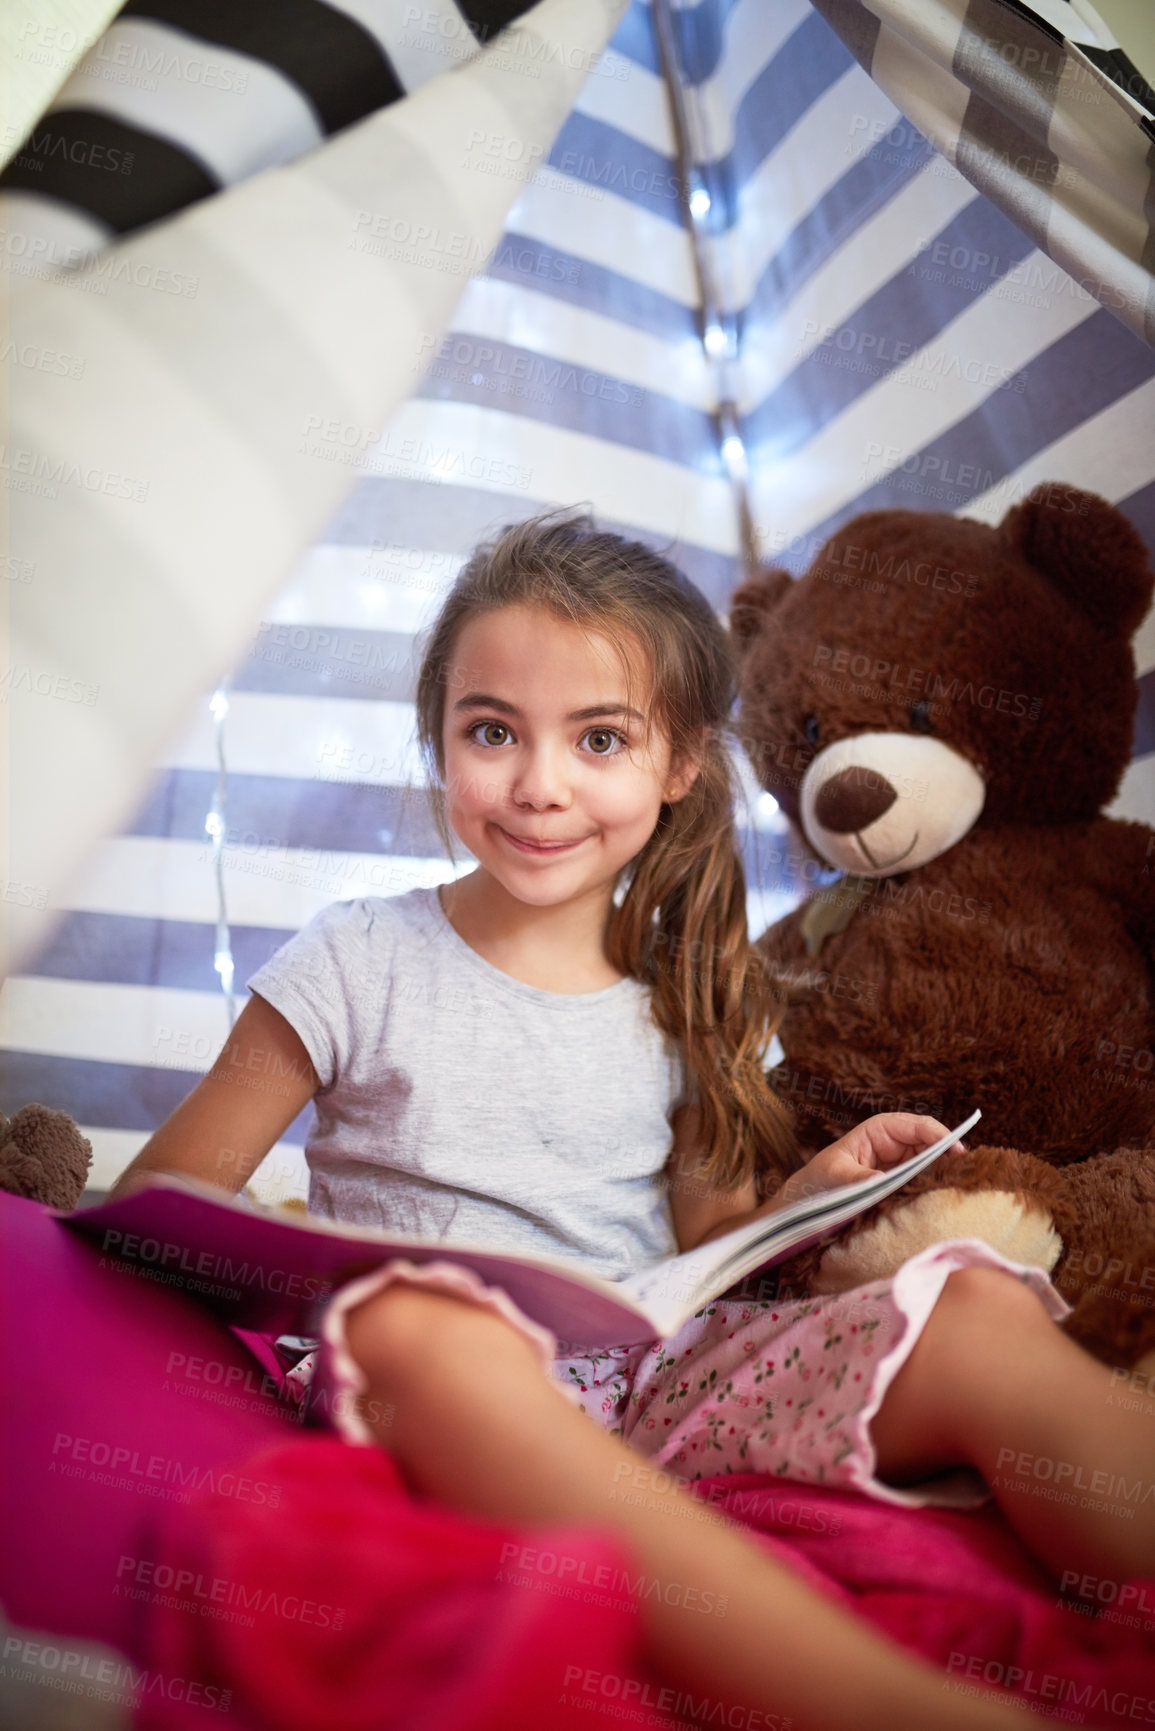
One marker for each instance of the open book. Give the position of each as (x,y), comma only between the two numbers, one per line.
(269,1270)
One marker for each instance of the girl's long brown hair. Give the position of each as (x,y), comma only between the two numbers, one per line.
(680,927)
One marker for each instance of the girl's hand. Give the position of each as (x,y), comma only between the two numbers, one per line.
(869,1147)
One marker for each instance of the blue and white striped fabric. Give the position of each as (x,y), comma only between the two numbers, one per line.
(898,342)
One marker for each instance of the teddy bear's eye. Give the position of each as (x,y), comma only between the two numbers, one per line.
(920,718)
(811,730)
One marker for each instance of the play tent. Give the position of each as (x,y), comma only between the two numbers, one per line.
(306,298)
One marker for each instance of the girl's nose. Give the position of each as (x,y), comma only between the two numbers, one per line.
(540,779)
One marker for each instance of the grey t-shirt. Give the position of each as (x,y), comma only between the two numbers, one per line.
(458,1103)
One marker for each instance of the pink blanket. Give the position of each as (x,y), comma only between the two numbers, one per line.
(960,1589)
(354,1605)
(298,1588)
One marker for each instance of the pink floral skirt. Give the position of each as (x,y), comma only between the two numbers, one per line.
(746,1386)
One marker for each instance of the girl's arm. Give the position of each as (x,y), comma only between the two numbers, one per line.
(234,1115)
(702,1212)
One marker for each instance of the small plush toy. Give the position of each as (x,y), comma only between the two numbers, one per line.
(43,1157)
(942,709)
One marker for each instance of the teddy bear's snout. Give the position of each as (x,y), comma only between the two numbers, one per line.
(853,799)
(874,803)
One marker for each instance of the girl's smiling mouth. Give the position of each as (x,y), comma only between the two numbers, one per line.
(525,844)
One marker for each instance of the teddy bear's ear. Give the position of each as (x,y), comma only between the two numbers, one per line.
(751,603)
(1088,550)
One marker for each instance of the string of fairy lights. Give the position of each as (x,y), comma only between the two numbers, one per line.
(718,324)
(216,828)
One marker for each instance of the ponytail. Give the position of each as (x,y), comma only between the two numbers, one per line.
(682,928)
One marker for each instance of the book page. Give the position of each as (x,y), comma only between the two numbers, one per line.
(672,1290)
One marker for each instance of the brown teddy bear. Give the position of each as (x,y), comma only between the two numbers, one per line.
(942,709)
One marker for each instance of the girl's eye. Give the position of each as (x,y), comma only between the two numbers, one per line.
(490,727)
(811,730)
(920,716)
(602,741)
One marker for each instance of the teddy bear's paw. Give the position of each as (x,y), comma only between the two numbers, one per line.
(44,1157)
(998,1218)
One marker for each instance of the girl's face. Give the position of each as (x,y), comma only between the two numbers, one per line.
(549,780)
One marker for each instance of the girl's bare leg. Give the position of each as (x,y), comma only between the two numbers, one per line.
(994,1383)
(476,1424)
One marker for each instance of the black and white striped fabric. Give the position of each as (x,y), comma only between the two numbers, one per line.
(897,340)
(181,98)
(1037,105)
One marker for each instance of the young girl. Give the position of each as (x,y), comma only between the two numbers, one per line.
(502,1060)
